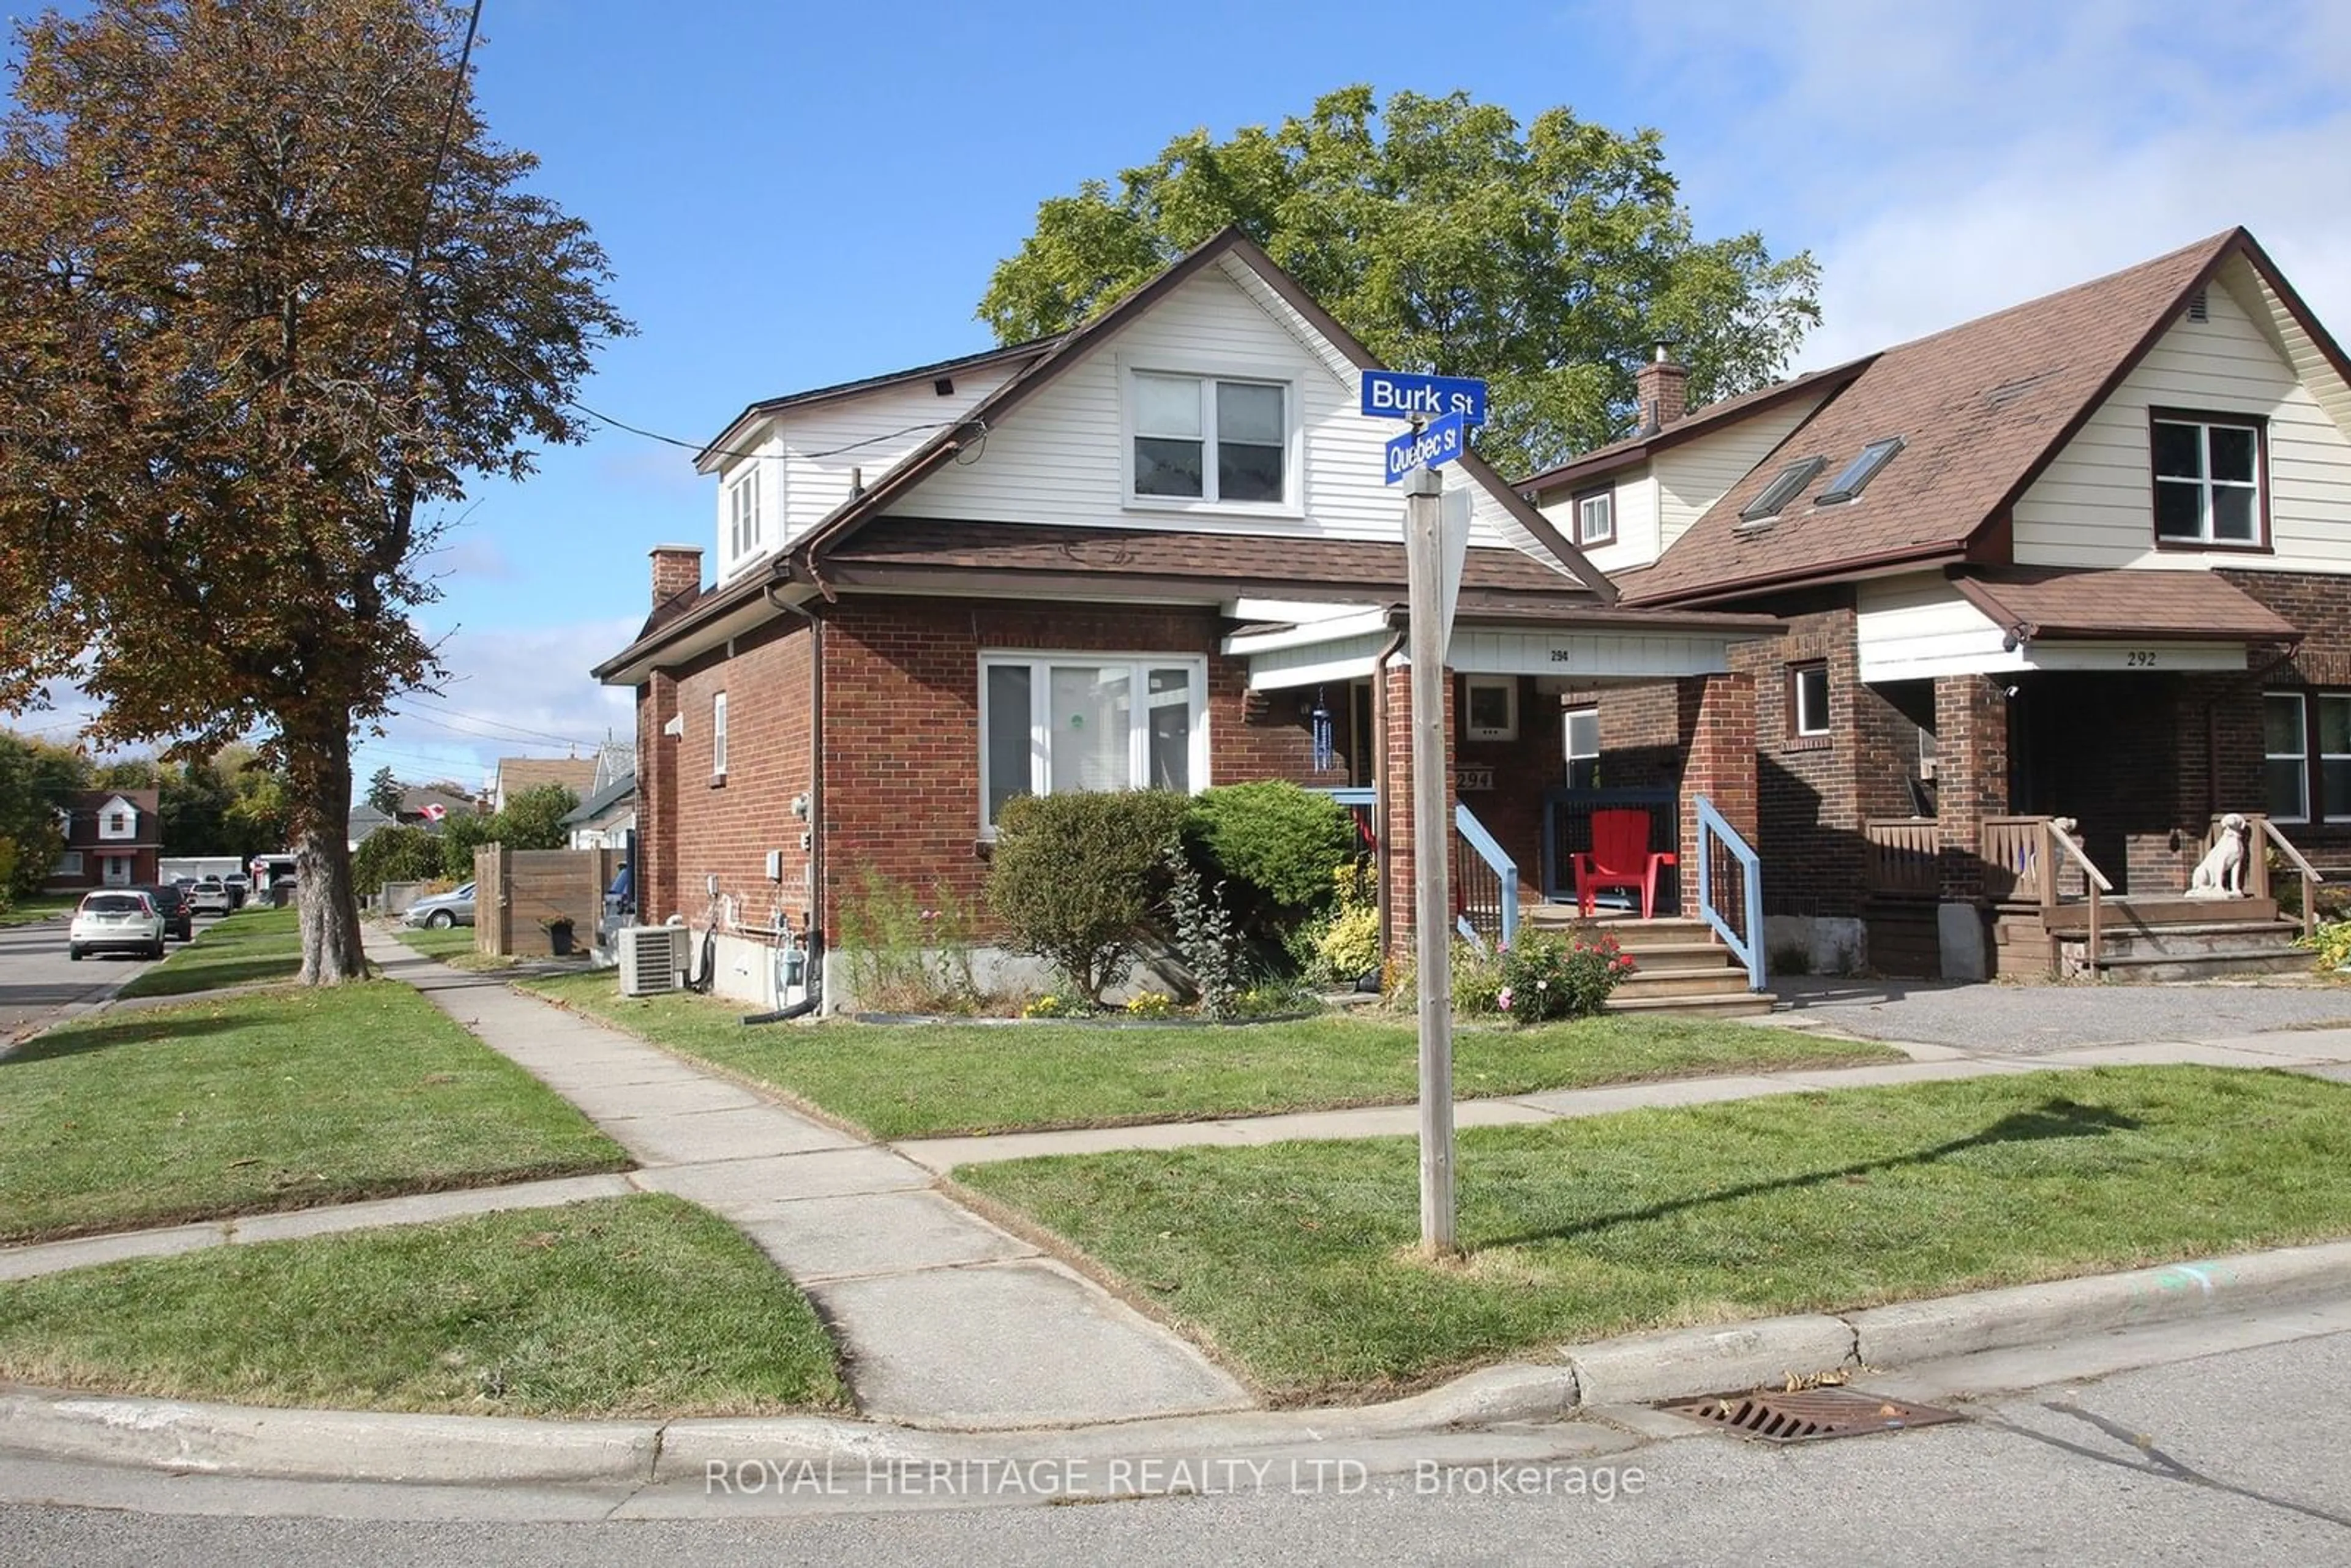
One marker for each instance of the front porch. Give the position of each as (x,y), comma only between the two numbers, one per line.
(1522,792)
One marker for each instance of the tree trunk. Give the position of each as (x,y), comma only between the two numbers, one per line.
(322,780)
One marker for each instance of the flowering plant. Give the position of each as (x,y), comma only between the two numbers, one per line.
(1546,976)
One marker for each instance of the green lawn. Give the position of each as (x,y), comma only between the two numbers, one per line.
(245,948)
(279,1100)
(635,1306)
(33,911)
(1299,1262)
(901,1081)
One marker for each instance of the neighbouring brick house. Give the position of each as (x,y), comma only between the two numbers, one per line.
(2087,558)
(1155,550)
(114,838)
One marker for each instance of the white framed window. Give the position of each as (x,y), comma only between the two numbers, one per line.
(2285,756)
(68,864)
(1489,707)
(1595,518)
(2335,755)
(2208,479)
(1225,441)
(115,870)
(718,735)
(743,522)
(1582,743)
(1055,723)
(1808,699)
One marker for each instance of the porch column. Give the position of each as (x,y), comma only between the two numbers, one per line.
(1970,777)
(1970,784)
(1718,741)
(1397,850)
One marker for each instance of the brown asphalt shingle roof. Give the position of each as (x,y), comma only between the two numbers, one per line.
(515,774)
(1171,553)
(1981,407)
(2186,604)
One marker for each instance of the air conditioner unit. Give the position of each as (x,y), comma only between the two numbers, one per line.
(652,958)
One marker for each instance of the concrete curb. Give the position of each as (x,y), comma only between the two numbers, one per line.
(224,1439)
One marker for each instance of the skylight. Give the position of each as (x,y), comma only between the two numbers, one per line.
(1782,490)
(1861,471)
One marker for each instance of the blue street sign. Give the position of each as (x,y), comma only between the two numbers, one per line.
(1393,394)
(1439,443)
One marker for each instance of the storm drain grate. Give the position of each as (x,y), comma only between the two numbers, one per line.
(1808,1414)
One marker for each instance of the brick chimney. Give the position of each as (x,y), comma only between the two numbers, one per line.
(677,569)
(1663,387)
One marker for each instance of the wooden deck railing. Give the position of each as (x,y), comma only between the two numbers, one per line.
(1903,856)
(2025,858)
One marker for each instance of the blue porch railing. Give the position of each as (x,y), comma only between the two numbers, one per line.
(1485,879)
(1740,925)
(1486,887)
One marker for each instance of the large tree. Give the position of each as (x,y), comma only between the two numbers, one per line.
(1547,261)
(270,296)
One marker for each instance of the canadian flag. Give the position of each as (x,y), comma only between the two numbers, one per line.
(434,810)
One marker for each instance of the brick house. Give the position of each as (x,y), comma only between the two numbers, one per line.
(2087,558)
(114,838)
(1155,551)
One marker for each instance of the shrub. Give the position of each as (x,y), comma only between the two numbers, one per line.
(1478,981)
(1151,1005)
(1277,844)
(1075,878)
(2332,943)
(1348,946)
(1546,976)
(905,955)
(8,873)
(1205,937)
(396,855)
(1054,1008)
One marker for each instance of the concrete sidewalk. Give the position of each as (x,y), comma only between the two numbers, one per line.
(2324,1054)
(417,1208)
(945,1319)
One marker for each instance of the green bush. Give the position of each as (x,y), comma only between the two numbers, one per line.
(2332,943)
(395,854)
(1075,878)
(905,957)
(1205,936)
(1277,844)
(1546,976)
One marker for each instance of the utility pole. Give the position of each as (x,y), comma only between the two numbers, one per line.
(1431,845)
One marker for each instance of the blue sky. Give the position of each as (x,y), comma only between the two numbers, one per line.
(794,196)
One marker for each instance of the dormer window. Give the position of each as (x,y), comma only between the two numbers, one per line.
(1781,491)
(1860,471)
(1595,518)
(743,515)
(1218,440)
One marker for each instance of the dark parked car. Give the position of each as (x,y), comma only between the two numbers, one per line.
(171,901)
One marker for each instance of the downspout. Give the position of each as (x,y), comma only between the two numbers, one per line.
(812,957)
(1380,782)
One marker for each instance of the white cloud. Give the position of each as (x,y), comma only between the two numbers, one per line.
(1942,161)
(509,694)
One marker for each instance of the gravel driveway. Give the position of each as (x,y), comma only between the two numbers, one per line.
(2026,1021)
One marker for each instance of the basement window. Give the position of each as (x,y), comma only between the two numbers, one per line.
(1783,490)
(1861,471)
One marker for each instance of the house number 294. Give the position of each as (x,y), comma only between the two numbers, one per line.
(2138,659)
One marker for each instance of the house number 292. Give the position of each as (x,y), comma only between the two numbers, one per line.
(2138,659)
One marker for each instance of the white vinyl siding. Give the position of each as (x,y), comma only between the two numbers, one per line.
(1055,723)
(2093,507)
(1916,627)
(1632,507)
(1696,473)
(1062,457)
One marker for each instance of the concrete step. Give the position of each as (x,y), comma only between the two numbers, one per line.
(1741,1003)
(1643,982)
(2153,909)
(2189,941)
(2277,960)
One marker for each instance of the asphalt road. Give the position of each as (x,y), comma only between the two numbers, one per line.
(36,978)
(2222,1450)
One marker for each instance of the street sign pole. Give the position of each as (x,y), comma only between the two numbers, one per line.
(1432,862)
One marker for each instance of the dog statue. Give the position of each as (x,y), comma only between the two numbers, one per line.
(2221,873)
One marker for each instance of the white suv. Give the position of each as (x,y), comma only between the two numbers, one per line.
(115,922)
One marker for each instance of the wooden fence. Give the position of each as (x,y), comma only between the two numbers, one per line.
(518,894)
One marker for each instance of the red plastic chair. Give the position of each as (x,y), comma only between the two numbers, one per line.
(1620,856)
